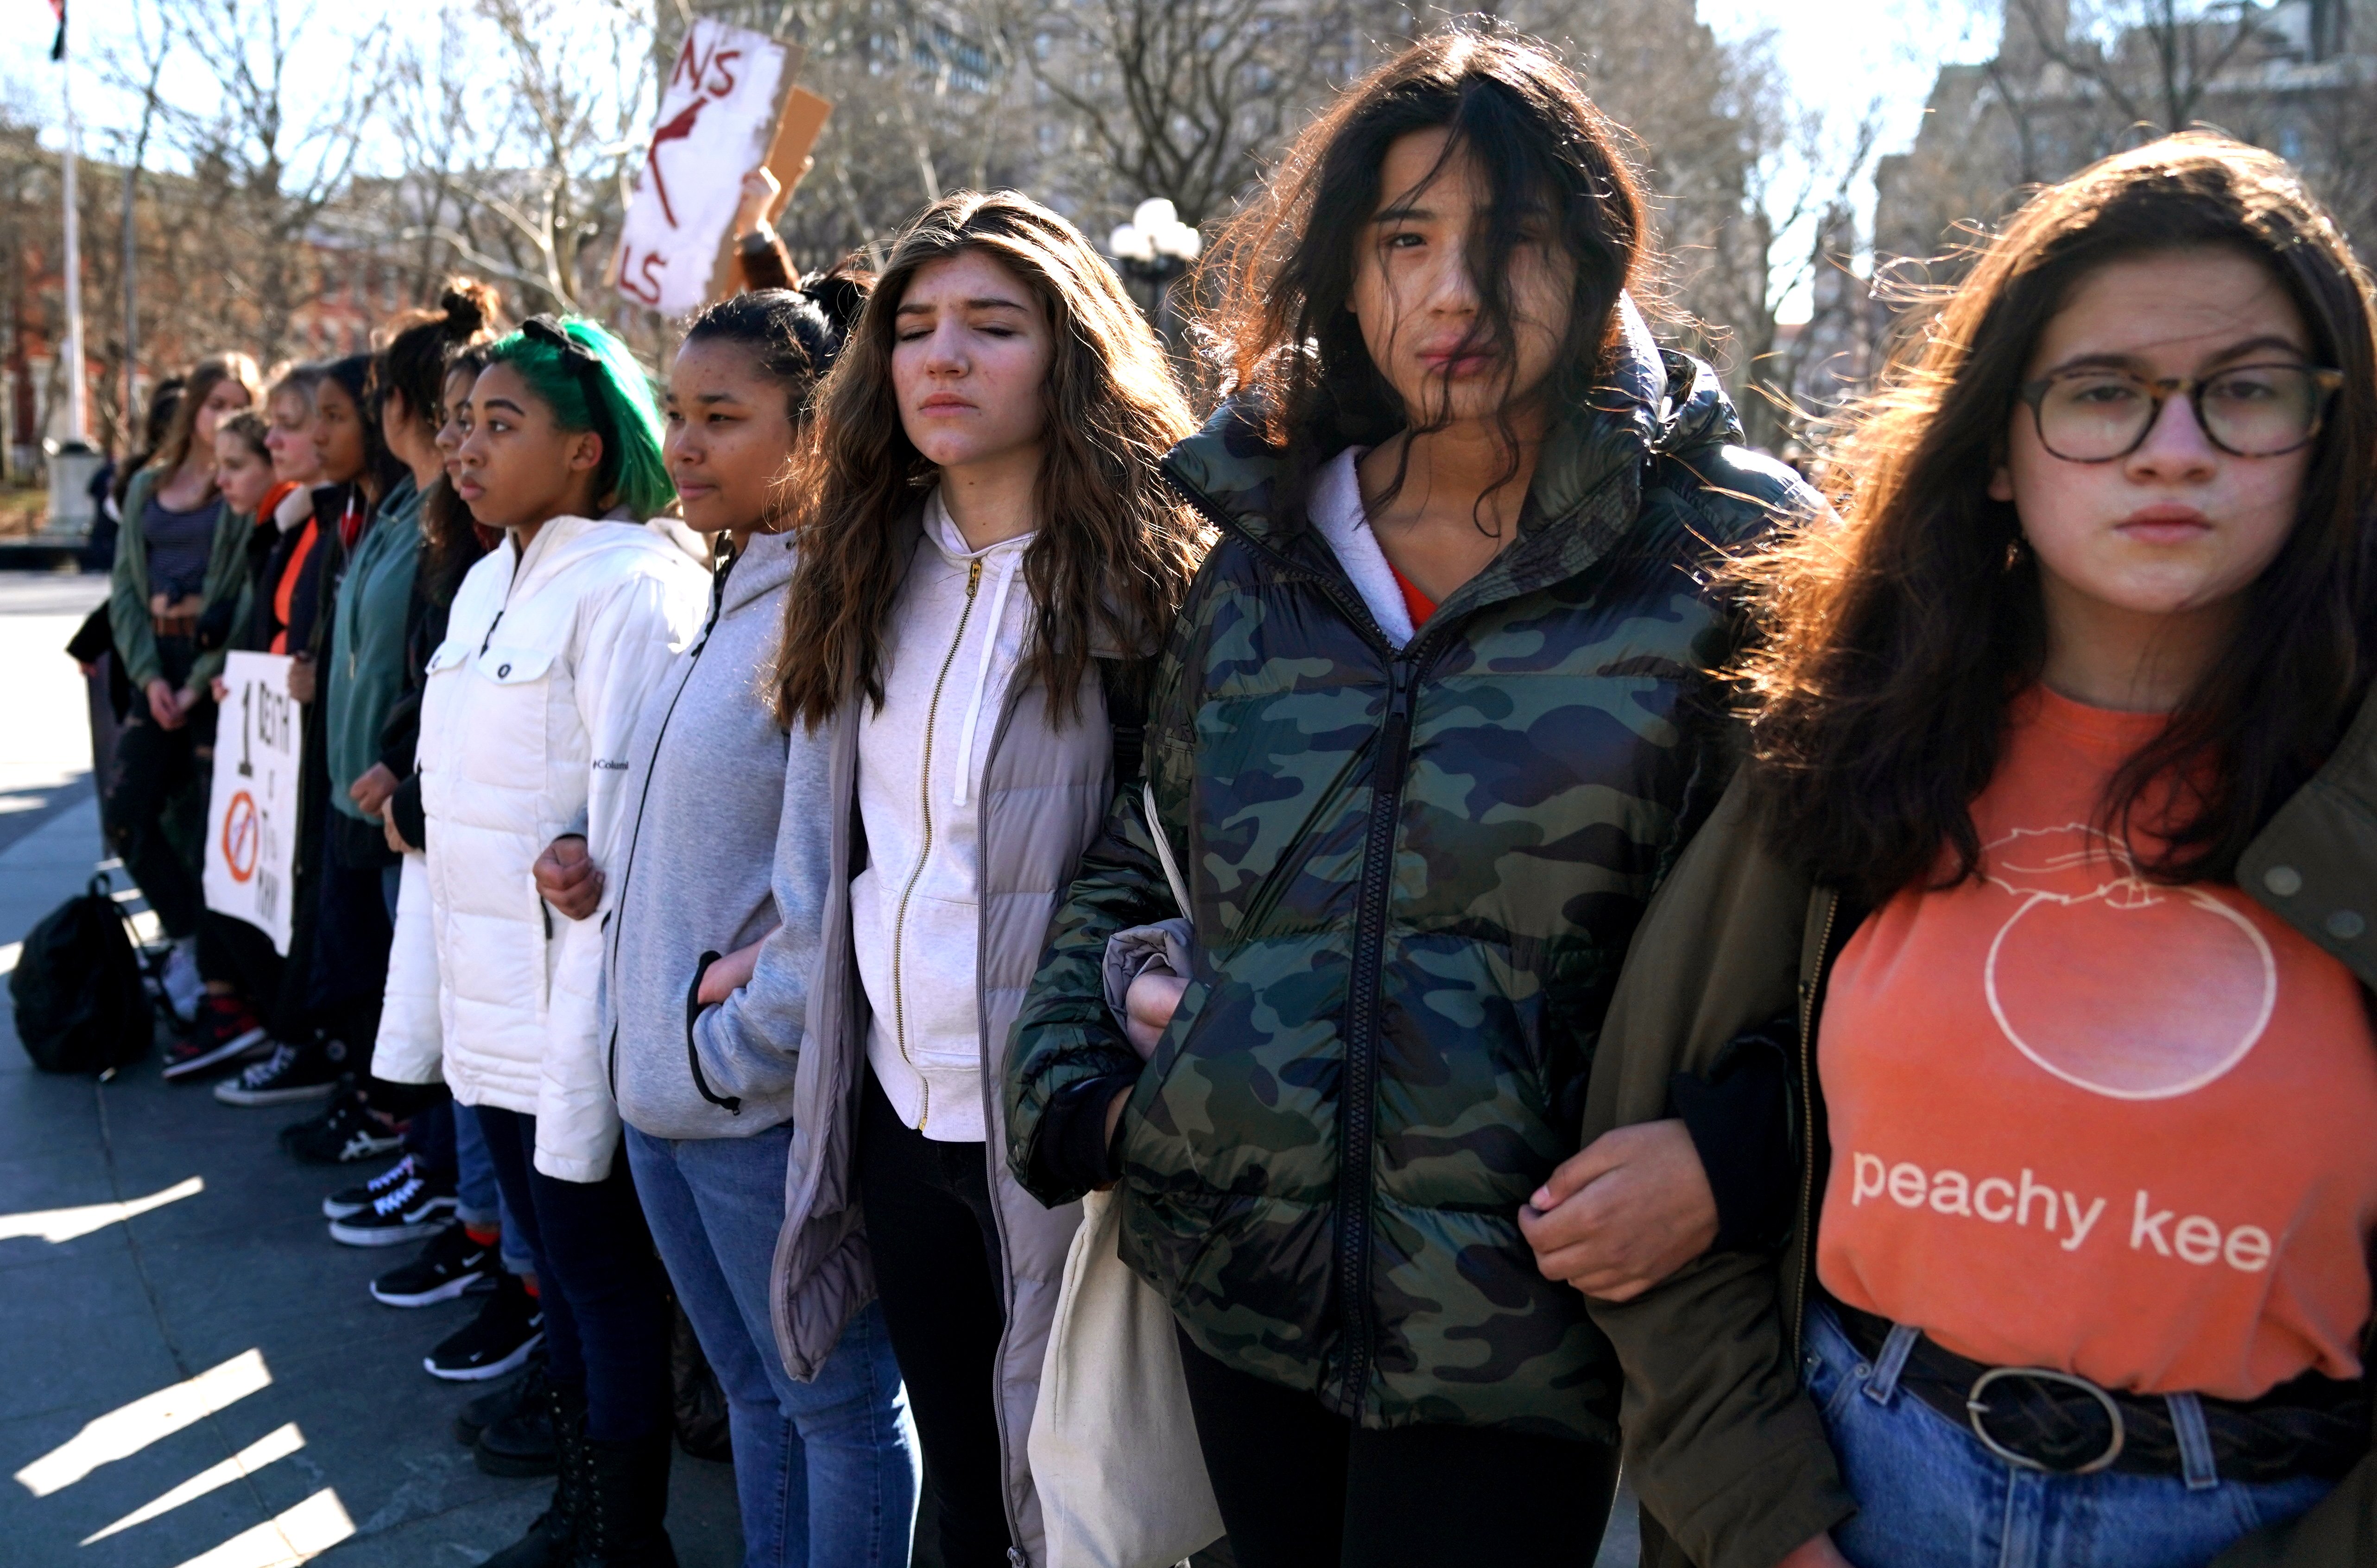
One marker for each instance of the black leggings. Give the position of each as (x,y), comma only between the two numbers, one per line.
(937,1273)
(152,766)
(1302,1488)
(607,1315)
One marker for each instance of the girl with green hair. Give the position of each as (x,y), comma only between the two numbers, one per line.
(555,639)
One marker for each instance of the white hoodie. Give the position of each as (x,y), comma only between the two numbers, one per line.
(526,715)
(957,632)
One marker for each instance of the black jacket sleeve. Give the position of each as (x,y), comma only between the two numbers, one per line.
(1740,1120)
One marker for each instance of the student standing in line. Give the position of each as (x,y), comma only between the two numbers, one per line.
(1444,704)
(242,972)
(704,1049)
(2049,874)
(366,676)
(988,560)
(177,554)
(337,949)
(552,644)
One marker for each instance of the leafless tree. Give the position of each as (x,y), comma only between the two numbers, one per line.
(277,152)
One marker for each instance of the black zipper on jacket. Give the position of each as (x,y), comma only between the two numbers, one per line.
(1358,1118)
(1829,942)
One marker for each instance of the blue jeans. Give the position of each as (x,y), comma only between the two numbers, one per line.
(1931,1496)
(826,1471)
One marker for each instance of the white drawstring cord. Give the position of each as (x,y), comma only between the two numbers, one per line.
(964,770)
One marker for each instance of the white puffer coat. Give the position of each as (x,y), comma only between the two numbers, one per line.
(525,721)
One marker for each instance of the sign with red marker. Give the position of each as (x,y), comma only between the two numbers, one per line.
(727,108)
(252,816)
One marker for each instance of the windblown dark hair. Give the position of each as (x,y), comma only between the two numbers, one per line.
(792,334)
(421,343)
(1114,548)
(1898,639)
(1283,269)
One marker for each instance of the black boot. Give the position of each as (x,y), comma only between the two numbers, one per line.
(625,1505)
(514,1438)
(555,1540)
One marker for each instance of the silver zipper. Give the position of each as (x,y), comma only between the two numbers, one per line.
(924,851)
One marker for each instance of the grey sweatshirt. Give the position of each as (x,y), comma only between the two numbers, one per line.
(702,868)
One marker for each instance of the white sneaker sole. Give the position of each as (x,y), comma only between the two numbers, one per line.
(510,1363)
(435,1224)
(460,1285)
(231,1093)
(250,1044)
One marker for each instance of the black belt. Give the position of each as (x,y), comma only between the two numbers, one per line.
(2044,1419)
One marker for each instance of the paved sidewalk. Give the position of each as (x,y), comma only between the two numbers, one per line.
(143,1347)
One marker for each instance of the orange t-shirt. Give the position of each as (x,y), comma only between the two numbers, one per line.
(284,593)
(1418,606)
(2086,1121)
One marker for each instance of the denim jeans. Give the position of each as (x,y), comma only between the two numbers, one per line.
(825,1471)
(1931,1496)
(605,1297)
(478,1201)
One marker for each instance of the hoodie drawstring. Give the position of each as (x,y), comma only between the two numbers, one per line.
(1007,568)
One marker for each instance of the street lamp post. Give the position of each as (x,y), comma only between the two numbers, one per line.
(1155,247)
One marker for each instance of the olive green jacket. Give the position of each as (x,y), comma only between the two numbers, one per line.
(1727,1455)
(128,592)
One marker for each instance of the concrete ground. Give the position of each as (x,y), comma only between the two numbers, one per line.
(191,1373)
(144,1348)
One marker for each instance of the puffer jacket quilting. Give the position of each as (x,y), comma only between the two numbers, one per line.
(526,716)
(1414,877)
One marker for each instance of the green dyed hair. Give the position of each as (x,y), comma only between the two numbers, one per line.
(633,474)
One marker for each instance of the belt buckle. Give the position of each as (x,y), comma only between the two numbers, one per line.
(1976,1410)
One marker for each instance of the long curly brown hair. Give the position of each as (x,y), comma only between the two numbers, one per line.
(1114,549)
(1898,639)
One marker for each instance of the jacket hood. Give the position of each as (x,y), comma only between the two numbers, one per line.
(765,565)
(1652,400)
(1585,494)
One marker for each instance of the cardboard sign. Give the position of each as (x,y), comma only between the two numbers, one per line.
(720,117)
(252,819)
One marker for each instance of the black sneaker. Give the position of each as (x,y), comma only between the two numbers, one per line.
(290,1074)
(421,1208)
(452,1265)
(342,1134)
(355,1200)
(494,1343)
(224,1031)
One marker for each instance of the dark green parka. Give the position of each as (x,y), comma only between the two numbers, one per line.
(1414,876)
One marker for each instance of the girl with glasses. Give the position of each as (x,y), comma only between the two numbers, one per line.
(2048,877)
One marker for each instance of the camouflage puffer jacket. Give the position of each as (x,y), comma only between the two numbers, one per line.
(1414,875)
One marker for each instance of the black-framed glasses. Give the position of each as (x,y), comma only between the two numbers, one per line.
(2096,413)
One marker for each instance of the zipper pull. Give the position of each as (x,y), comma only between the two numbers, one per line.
(1399,700)
(974,577)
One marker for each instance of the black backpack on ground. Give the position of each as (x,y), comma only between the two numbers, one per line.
(80,1003)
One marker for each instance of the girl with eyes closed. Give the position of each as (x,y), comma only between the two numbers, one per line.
(988,561)
(2048,872)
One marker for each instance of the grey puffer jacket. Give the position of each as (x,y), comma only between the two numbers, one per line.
(720,844)
(1045,794)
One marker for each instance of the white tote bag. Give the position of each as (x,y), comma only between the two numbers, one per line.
(1113,1447)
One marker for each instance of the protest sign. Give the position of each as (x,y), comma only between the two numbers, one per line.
(252,819)
(730,106)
